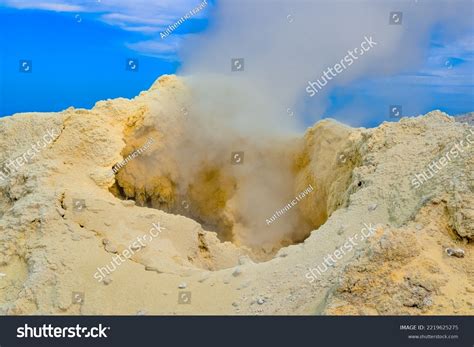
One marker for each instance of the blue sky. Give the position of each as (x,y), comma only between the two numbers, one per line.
(445,82)
(79,56)
(79,49)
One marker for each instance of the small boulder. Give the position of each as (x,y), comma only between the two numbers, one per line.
(455,252)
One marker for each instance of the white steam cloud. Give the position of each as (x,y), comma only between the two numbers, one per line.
(285,44)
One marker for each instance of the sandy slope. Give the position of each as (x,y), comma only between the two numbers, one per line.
(48,250)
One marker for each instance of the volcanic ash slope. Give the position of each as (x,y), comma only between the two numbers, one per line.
(51,249)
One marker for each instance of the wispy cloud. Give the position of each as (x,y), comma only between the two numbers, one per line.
(148,17)
(137,23)
(57,6)
(164,49)
(449,65)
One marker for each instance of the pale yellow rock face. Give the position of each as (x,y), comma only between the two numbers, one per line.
(64,215)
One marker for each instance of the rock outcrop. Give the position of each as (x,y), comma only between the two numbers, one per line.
(70,227)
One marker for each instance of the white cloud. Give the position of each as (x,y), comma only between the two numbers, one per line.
(149,15)
(449,65)
(136,23)
(142,29)
(124,18)
(57,6)
(164,49)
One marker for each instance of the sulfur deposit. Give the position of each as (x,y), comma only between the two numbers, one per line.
(65,215)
